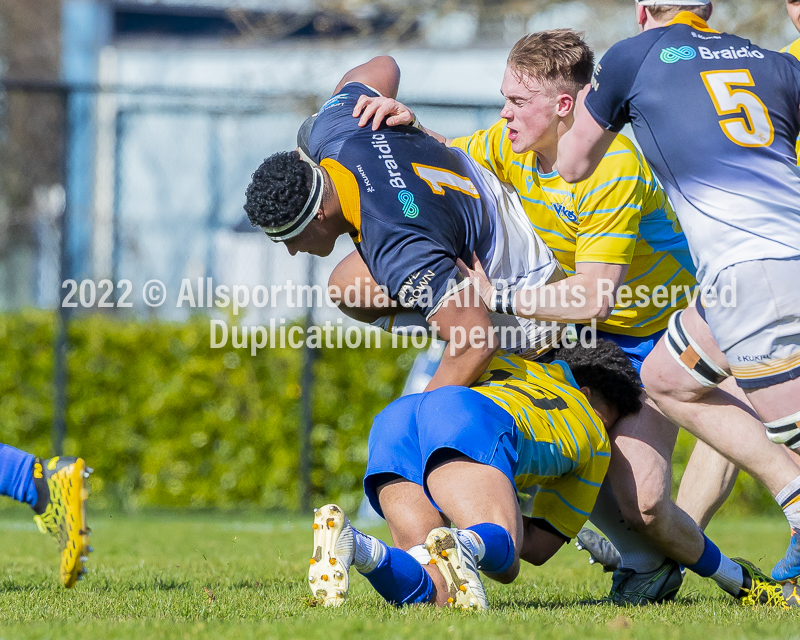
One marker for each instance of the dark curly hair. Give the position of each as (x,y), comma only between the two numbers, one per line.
(607,371)
(279,190)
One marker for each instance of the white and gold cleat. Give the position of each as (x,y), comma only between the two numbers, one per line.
(334,550)
(458,568)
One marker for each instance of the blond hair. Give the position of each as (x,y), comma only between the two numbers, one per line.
(665,12)
(559,57)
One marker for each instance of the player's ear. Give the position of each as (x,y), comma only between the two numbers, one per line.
(566,104)
(587,392)
(641,16)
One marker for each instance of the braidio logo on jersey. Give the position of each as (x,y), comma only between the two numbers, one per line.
(671,55)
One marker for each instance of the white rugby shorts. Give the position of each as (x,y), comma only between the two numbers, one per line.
(754,315)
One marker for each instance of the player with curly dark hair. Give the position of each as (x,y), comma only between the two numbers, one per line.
(286,194)
(279,190)
(606,370)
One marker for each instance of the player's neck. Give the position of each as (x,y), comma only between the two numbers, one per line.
(547,155)
(332,206)
(546,160)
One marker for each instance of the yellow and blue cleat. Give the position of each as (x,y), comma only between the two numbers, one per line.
(61,511)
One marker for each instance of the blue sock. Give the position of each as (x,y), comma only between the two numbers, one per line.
(709,562)
(499,554)
(16,475)
(400,579)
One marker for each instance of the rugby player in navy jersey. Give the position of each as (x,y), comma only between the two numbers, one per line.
(717,118)
(413,208)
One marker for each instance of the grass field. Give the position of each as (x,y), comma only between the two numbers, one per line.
(176,576)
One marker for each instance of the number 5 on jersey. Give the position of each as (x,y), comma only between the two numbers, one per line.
(438,179)
(756,129)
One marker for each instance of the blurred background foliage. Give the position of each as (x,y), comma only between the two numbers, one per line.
(168,422)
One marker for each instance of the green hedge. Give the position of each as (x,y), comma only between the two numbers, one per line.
(167,421)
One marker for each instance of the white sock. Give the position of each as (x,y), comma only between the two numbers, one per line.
(729,576)
(369,551)
(420,554)
(789,500)
(473,542)
(635,552)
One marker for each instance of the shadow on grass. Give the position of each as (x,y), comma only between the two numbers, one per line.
(587,603)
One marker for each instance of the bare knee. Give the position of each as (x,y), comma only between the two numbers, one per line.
(505,577)
(645,511)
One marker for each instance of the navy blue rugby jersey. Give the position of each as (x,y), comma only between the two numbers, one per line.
(418,206)
(717,118)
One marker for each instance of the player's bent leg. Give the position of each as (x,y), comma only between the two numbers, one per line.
(408,512)
(392,484)
(491,514)
(395,574)
(706,484)
(640,474)
(540,541)
(719,416)
(642,574)
(410,517)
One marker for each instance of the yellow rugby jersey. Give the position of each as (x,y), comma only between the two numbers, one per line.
(564,450)
(794,49)
(620,215)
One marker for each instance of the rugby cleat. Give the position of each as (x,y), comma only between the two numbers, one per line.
(789,567)
(601,550)
(61,511)
(334,550)
(762,589)
(631,588)
(459,569)
(791,593)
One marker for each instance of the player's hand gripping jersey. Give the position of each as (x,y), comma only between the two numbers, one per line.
(718,119)
(418,206)
(620,215)
(794,49)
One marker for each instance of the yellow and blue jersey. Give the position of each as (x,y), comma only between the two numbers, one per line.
(620,215)
(563,449)
(794,49)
